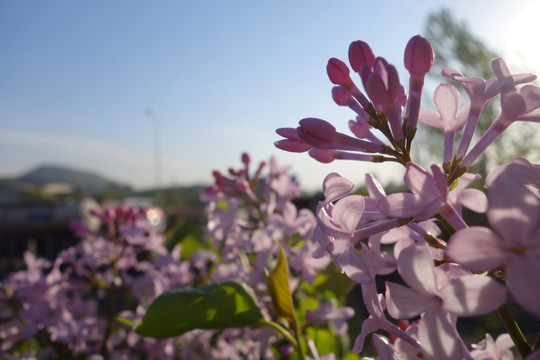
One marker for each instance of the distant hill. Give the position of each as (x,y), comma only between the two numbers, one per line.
(84,182)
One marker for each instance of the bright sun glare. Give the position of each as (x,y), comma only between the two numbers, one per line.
(520,37)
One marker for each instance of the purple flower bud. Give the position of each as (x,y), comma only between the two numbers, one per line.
(383,85)
(341,96)
(418,56)
(338,73)
(291,142)
(246,159)
(322,155)
(360,53)
(316,132)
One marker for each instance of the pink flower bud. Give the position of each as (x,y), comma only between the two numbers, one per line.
(383,85)
(418,56)
(360,53)
(360,127)
(246,159)
(316,132)
(322,155)
(291,142)
(341,96)
(338,73)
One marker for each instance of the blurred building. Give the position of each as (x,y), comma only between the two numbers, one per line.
(40,223)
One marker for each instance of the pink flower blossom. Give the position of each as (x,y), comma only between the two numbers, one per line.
(516,105)
(493,349)
(513,241)
(429,196)
(435,298)
(450,118)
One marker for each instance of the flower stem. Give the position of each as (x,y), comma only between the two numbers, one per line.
(283,331)
(515,332)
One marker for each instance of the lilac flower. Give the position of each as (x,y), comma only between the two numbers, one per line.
(480,93)
(514,215)
(449,119)
(302,261)
(429,196)
(435,300)
(292,221)
(376,305)
(338,229)
(328,312)
(516,105)
(493,349)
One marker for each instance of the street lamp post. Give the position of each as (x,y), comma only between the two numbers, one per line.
(151,114)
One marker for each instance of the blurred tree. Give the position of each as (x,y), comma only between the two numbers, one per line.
(456,47)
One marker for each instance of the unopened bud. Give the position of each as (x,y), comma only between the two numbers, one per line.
(338,73)
(418,56)
(360,53)
(316,132)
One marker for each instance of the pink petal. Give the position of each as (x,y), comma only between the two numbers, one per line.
(514,211)
(349,261)
(348,211)
(405,303)
(431,118)
(336,187)
(438,336)
(504,342)
(419,181)
(372,300)
(474,199)
(374,187)
(369,325)
(415,265)
(461,118)
(328,226)
(477,248)
(472,295)
(531,95)
(523,281)
(440,182)
(385,349)
(446,99)
(289,212)
(292,145)
(400,205)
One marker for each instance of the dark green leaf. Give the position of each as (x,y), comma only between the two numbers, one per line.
(215,306)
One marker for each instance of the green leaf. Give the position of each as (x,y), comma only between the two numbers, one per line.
(351,356)
(333,281)
(323,339)
(189,235)
(215,306)
(278,286)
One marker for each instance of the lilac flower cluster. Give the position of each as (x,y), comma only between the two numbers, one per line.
(250,216)
(80,304)
(68,308)
(445,277)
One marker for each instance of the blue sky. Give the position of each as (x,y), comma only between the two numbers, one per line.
(77,78)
